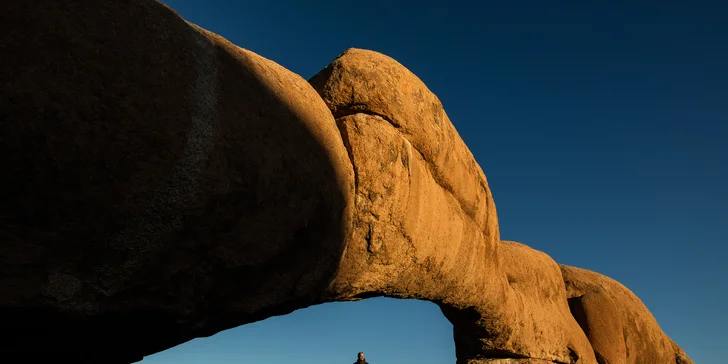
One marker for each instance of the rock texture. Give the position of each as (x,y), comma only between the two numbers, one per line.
(422,233)
(619,326)
(160,184)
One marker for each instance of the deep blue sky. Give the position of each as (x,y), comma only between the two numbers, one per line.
(602,129)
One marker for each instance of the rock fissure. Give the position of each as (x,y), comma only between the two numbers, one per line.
(353,109)
(433,171)
(349,152)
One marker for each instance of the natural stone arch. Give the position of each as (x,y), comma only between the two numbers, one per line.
(163,184)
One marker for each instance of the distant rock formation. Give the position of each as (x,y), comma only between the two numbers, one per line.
(160,184)
(619,326)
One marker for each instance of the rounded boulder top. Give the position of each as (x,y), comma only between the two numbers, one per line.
(368,82)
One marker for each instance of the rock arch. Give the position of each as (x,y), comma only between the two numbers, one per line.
(161,184)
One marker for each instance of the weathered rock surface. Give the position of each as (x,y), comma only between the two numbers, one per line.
(160,184)
(361,81)
(401,144)
(619,326)
(600,318)
(414,238)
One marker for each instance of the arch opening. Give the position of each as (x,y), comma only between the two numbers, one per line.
(387,330)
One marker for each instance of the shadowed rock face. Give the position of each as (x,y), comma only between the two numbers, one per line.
(161,184)
(158,182)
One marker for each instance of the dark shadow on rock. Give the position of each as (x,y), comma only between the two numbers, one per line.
(156,184)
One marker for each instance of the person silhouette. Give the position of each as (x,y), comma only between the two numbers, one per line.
(360,359)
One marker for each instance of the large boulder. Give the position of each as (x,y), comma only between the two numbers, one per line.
(362,81)
(600,318)
(425,224)
(537,301)
(619,326)
(158,182)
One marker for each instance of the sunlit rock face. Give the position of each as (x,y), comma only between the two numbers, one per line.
(619,326)
(425,224)
(161,184)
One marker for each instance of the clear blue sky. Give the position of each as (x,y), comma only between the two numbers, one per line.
(602,129)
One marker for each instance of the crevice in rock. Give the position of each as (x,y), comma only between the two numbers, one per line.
(368,238)
(349,152)
(434,172)
(365,295)
(573,355)
(503,354)
(354,109)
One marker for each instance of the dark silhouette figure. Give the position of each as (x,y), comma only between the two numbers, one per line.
(360,359)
